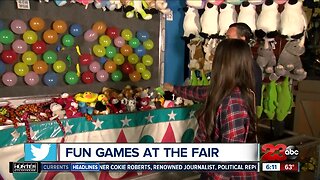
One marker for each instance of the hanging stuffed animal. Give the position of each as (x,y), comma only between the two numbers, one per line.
(284,100)
(198,4)
(260,107)
(149,6)
(270,102)
(162,6)
(248,15)
(209,49)
(209,21)
(293,20)
(227,16)
(268,21)
(191,23)
(289,62)
(196,59)
(266,58)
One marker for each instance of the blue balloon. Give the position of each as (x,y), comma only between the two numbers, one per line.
(102,60)
(50,79)
(1,24)
(2,67)
(75,30)
(142,35)
(140,51)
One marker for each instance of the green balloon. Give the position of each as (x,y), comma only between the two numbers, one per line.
(50,57)
(134,42)
(133,58)
(111,51)
(71,78)
(6,36)
(116,76)
(67,40)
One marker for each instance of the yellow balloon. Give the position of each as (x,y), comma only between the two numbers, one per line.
(30,37)
(59,66)
(99,50)
(21,69)
(29,57)
(104,40)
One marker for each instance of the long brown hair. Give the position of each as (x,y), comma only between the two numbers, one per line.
(232,67)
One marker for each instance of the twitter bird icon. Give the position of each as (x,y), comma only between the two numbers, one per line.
(40,152)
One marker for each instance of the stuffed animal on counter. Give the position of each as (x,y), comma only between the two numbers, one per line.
(268,21)
(266,58)
(87,97)
(289,62)
(72,110)
(145,104)
(285,99)
(57,111)
(191,23)
(209,21)
(248,15)
(128,8)
(293,20)
(227,16)
(115,106)
(101,105)
(140,12)
(131,106)
(270,102)
(84,108)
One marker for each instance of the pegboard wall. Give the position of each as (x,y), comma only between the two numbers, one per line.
(75,14)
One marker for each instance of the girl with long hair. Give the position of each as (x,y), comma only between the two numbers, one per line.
(228,114)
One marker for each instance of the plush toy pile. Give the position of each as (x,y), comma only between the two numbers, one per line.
(143,9)
(108,101)
(206,22)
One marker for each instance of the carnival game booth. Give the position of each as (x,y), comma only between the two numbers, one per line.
(84,71)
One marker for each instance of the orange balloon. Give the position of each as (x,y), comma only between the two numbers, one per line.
(40,67)
(135,76)
(126,50)
(50,36)
(36,23)
(59,26)
(99,27)
(110,66)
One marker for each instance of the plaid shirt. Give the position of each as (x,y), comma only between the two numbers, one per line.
(231,126)
(195,93)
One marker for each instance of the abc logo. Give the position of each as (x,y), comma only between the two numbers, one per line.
(291,152)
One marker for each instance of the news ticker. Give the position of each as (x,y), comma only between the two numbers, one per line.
(96,167)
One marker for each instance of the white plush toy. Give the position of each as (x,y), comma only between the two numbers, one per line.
(191,22)
(269,19)
(198,4)
(227,16)
(248,15)
(162,6)
(293,19)
(209,20)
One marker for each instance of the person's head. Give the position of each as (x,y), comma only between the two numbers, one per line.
(240,31)
(232,67)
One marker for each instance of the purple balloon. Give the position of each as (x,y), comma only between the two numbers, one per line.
(102,76)
(19,46)
(9,79)
(119,41)
(95,66)
(1,48)
(90,35)
(18,26)
(31,78)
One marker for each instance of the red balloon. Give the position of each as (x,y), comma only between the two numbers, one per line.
(127,68)
(85,59)
(9,56)
(113,32)
(39,47)
(87,77)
